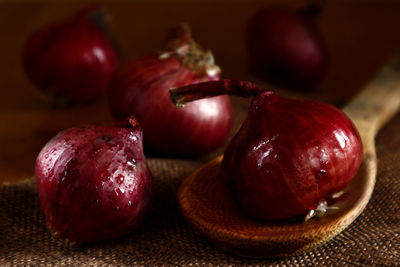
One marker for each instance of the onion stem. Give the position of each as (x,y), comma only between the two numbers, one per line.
(182,95)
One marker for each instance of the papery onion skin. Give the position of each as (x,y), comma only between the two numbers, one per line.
(94,183)
(289,155)
(73,60)
(286,48)
(141,88)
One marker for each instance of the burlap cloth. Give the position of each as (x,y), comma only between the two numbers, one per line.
(165,238)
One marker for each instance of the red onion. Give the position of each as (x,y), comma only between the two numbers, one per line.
(289,156)
(141,88)
(72,60)
(286,48)
(93,182)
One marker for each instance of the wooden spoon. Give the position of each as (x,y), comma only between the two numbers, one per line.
(208,206)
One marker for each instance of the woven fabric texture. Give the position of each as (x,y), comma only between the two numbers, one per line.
(165,238)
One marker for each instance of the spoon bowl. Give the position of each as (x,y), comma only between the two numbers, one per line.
(208,206)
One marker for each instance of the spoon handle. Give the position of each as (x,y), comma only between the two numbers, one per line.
(378,102)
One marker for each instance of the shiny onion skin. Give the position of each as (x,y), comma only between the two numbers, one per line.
(289,155)
(141,89)
(94,183)
(73,60)
(286,48)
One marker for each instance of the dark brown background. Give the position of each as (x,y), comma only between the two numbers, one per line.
(360,36)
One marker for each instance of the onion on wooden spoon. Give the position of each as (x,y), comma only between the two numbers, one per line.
(209,207)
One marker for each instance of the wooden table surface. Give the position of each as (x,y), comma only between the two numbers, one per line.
(360,36)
